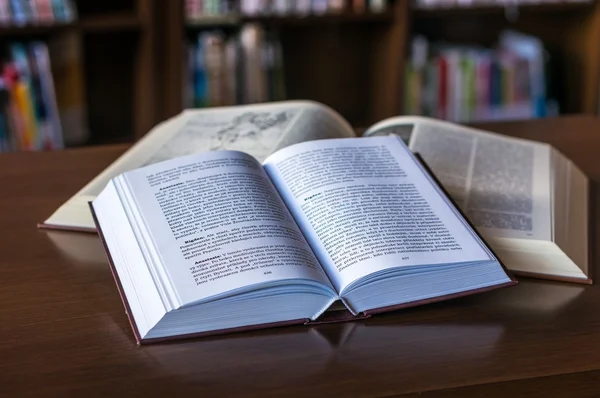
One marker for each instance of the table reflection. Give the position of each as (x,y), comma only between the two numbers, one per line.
(78,248)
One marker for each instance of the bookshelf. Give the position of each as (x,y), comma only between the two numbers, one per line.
(111,23)
(350,61)
(356,61)
(570,32)
(114,49)
(133,55)
(498,9)
(120,42)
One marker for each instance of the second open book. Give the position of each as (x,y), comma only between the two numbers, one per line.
(218,241)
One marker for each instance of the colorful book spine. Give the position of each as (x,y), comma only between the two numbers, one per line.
(70,10)
(5,13)
(31,7)
(19,15)
(319,7)
(25,98)
(5,131)
(465,83)
(48,106)
(200,78)
(443,95)
(236,68)
(44,10)
(59,11)
(29,118)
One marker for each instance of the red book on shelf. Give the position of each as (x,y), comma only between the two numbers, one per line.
(442,111)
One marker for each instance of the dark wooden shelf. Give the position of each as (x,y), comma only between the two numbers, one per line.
(33,29)
(441,12)
(217,21)
(110,23)
(105,23)
(101,140)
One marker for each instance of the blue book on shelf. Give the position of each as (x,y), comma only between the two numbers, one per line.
(18,12)
(200,78)
(5,142)
(495,85)
(59,11)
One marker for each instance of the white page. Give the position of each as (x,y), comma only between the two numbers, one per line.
(506,190)
(366,205)
(218,225)
(501,183)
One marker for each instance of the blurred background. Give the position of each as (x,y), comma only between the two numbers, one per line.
(92,72)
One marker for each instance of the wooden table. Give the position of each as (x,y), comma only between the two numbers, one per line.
(63,331)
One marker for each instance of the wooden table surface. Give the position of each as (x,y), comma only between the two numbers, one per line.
(63,331)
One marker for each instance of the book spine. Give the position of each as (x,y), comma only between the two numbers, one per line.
(337,6)
(303,7)
(455,92)
(5,13)
(200,79)
(319,7)
(25,98)
(10,76)
(18,13)
(43,130)
(33,11)
(44,8)
(281,7)
(67,71)
(377,6)
(231,60)
(430,96)
(59,11)
(5,133)
(70,12)
(48,94)
(27,11)
(483,95)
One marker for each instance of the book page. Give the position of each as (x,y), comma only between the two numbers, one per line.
(217,224)
(366,205)
(258,130)
(502,184)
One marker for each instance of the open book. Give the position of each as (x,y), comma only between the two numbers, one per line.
(219,241)
(258,130)
(527,199)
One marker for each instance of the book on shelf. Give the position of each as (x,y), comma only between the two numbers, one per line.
(205,9)
(425,4)
(34,12)
(233,69)
(29,117)
(527,200)
(468,83)
(66,53)
(212,10)
(219,242)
